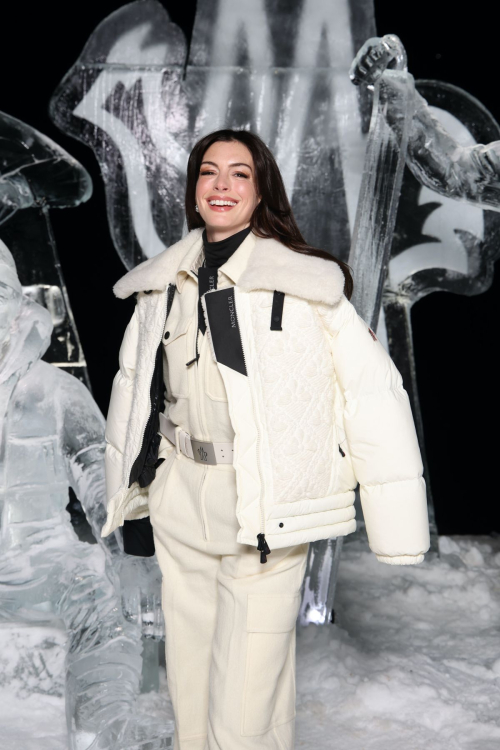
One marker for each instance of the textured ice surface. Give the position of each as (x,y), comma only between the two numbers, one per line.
(37,175)
(412,660)
(141,100)
(441,237)
(52,438)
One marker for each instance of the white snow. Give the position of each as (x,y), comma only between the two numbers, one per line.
(412,661)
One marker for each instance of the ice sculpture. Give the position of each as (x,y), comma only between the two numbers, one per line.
(406,243)
(37,175)
(438,161)
(52,438)
(140,99)
(452,249)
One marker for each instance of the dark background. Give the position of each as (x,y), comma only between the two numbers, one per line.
(455,336)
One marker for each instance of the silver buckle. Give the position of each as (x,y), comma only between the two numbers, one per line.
(203,451)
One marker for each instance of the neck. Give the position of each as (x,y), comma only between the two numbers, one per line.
(219,251)
(216,234)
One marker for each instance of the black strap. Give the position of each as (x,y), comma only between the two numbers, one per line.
(207,279)
(277,311)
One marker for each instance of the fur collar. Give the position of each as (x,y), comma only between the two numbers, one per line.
(271,266)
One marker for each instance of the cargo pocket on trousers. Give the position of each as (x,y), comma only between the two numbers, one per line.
(269,687)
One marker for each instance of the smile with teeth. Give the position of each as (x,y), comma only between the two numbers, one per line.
(221,203)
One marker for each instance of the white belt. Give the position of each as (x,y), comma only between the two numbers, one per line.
(201,451)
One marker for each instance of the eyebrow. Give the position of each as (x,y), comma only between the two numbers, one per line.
(233,164)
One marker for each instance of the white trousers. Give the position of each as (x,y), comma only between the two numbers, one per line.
(230,620)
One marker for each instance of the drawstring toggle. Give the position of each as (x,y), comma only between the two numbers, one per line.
(263,547)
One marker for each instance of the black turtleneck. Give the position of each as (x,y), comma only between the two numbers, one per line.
(216,254)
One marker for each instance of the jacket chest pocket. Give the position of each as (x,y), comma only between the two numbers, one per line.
(177,354)
(213,383)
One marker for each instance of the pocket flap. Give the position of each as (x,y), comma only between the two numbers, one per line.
(272,613)
(176,328)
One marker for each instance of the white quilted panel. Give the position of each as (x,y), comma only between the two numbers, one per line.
(296,372)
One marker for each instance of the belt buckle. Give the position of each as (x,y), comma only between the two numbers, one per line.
(203,451)
(177,432)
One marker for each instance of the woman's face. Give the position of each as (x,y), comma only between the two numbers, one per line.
(227,174)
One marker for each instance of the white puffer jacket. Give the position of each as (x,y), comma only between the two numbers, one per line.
(315,407)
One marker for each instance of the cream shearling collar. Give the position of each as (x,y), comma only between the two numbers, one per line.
(270,266)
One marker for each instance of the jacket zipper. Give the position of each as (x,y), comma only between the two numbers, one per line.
(196,338)
(262,545)
(196,349)
(141,445)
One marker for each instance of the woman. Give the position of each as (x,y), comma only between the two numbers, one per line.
(279,398)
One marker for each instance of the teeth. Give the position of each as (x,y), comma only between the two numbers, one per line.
(222,203)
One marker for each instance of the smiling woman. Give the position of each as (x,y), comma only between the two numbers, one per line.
(233,182)
(278,400)
(226,193)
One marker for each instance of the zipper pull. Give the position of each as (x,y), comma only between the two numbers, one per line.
(197,352)
(341,452)
(263,547)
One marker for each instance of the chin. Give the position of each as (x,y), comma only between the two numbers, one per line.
(222,223)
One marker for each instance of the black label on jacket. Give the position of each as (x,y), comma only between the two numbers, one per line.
(207,279)
(224,329)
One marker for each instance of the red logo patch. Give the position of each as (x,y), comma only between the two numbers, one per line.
(372,334)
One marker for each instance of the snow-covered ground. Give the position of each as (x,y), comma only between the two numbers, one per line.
(412,661)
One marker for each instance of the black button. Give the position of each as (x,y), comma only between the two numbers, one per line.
(276,318)
(281,524)
(167,334)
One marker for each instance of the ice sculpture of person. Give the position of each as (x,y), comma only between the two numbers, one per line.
(52,438)
(436,159)
(279,398)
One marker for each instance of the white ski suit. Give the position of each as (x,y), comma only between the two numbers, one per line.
(312,409)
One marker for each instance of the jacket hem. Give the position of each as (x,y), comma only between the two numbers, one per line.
(337,503)
(128,504)
(303,536)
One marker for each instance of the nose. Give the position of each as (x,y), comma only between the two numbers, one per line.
(221,183)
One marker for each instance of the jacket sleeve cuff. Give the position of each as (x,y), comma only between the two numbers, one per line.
(401,559)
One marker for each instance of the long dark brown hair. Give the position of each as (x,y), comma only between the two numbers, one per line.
(273,215)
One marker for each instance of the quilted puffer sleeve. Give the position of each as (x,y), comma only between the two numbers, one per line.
(119,408)
(381,438)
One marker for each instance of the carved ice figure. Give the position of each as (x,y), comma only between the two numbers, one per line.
(37,176)
(436,158)
(52,438)
(411,237)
